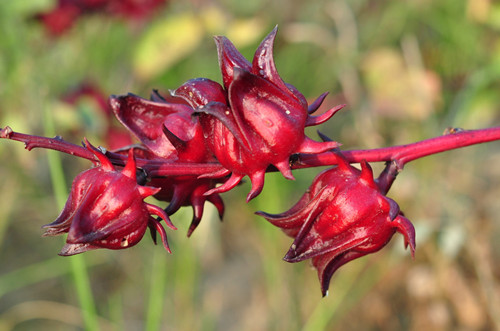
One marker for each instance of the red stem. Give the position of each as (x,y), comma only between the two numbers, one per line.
(403,154)
(400,155)
(158,167)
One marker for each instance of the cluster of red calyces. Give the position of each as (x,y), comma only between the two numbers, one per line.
(251,123)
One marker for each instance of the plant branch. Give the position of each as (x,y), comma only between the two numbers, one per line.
(155,168)
(403,154)
(398,156)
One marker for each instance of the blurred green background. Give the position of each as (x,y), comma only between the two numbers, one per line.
(406,69)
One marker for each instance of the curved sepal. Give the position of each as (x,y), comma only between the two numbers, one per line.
(145,119)
(406,228)
(229,58)
(310,146)
(263,61)
(200,91)
(231,183)
(316,103)
(224,114)
(103,160)
(320,119)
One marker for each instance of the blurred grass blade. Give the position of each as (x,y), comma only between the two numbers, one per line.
(33,273)
(157,291)
(78,265)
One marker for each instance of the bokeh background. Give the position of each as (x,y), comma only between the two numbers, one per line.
(407,70)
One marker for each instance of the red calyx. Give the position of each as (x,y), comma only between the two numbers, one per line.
(105,209)
(170,133)
(343,216)
(262,121)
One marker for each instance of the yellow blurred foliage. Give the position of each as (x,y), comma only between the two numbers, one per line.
(398,90)
(175,37)
(165,43)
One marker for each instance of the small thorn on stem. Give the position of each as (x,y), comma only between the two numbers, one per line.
(452,130)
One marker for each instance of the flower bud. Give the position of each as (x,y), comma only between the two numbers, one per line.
(170,133)
(261,123)
(343,216)
(147,120)
(105,209)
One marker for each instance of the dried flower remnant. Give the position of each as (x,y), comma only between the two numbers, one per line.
(105,209)
(341,217)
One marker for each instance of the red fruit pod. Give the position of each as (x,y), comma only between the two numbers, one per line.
(148,119)
(342,216)
(105,209)
(262,122)
(170,133)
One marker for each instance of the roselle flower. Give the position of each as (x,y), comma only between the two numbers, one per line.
(341,217)
(256,120)
(170,133)
(105,209)
(167,129)
(134,9)
(61,18)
